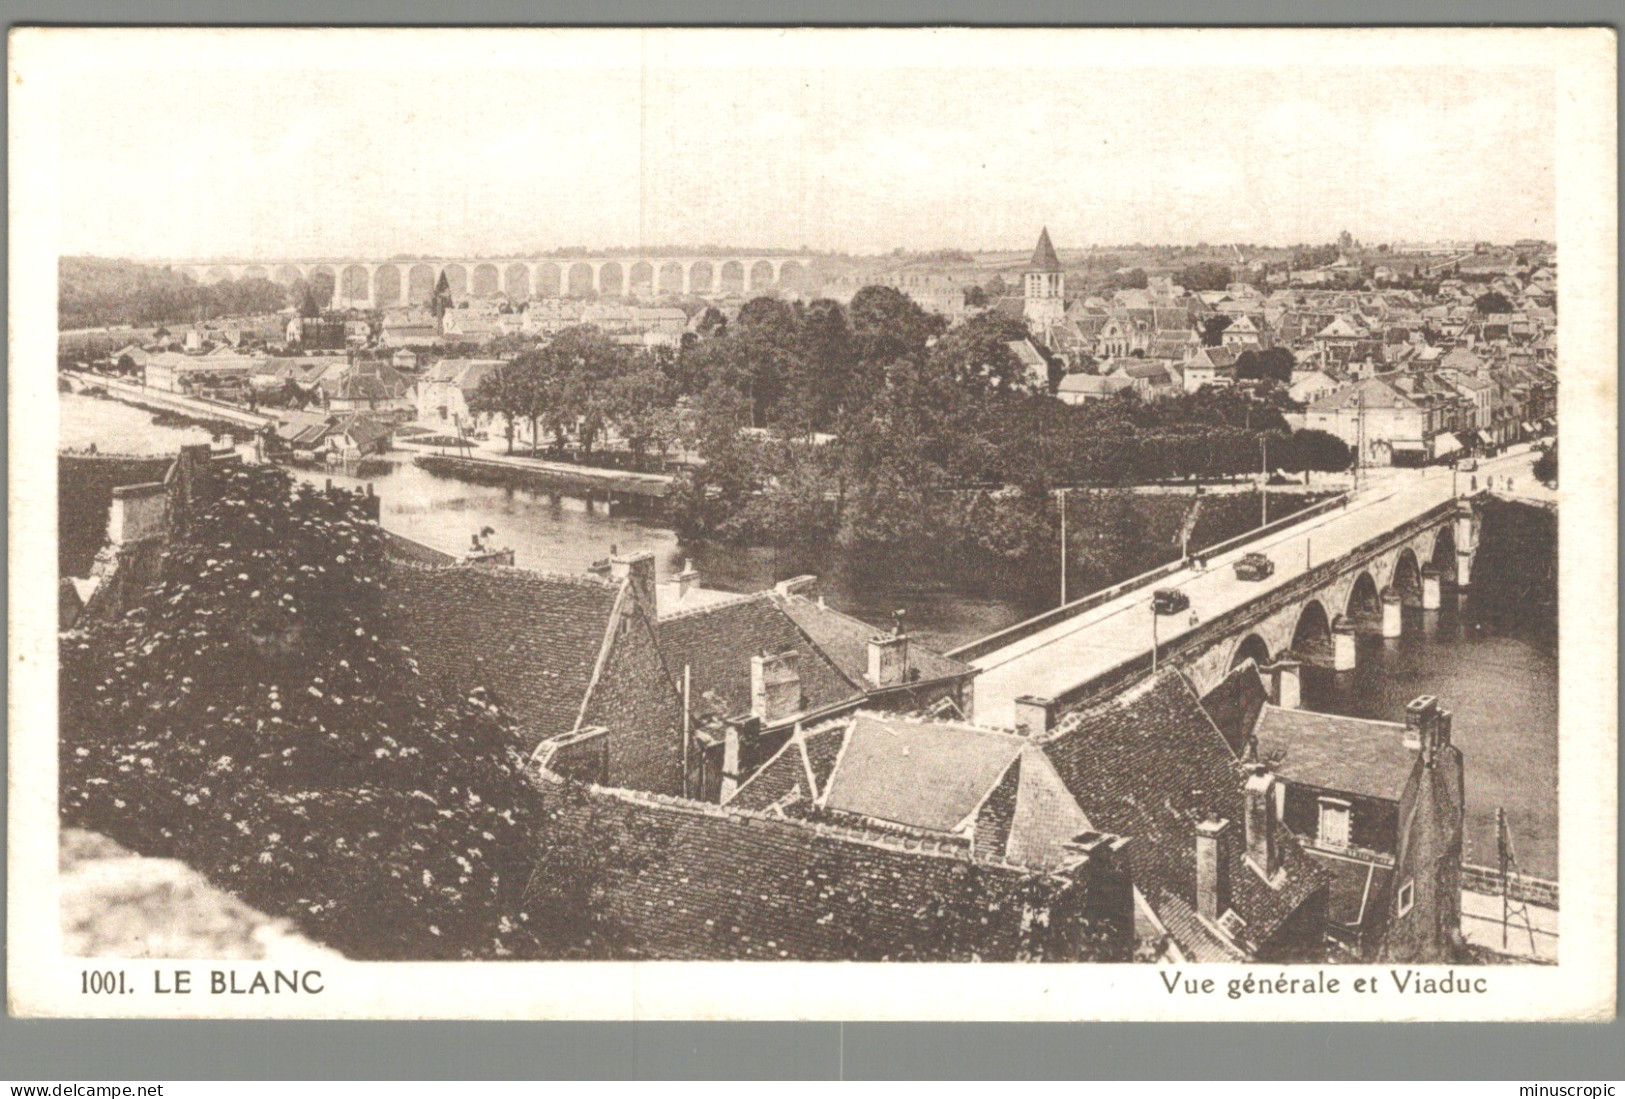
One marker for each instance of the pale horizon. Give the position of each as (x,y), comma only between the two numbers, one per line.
(263,146)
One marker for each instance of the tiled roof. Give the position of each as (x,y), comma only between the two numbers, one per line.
(682,880)
(1235,703)
(531,638)
(1148,763)
(1371,393)
(925,778)
(926,775)
(845,640)
(1331,752)
(717,642)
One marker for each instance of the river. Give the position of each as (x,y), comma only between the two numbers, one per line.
(1496,672)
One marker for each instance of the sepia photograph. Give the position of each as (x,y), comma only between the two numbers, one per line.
(1067,524)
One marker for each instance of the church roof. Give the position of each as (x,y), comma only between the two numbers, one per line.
(1044,257)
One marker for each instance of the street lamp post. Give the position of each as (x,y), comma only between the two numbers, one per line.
(1063,546)
(1153,637)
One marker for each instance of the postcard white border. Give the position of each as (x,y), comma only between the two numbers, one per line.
(41,982)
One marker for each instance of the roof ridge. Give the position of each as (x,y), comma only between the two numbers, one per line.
(574,579)
(915,845)
(709,608)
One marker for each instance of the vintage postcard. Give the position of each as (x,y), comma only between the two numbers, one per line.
(813,524)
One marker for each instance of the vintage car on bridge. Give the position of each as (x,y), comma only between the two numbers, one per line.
(1254,566)
(1169,601)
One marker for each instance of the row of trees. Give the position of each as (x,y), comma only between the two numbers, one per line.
(100,292)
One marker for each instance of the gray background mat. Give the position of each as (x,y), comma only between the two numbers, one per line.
(52,1051)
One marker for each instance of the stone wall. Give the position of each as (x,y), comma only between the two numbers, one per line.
(1487,880)
(84,490)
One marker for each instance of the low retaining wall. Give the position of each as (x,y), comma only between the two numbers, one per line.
(1487,880)
(590,486)
(164,401)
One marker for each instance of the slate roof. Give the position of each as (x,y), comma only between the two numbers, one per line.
(925,778)
(532,639)
(1044,257)
(1371,393)
(845,640)
(924,774)
(1148,763)
(717,642)
(688,881)
(1352,755)
(1094,384)
(1234,705)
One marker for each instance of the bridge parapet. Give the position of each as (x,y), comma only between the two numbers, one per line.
(1038,623)
(1221,628)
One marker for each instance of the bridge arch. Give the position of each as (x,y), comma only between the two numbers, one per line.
(732,280)
(486,280)
(516,281)
(456,279)
(581,280)
(353,283)
(420,282)
(547,280)
(640,280)
(794,275)
(255,271)
(386,285)
(1312,636)
(701,277)
(287,274)
(761,275)
(611,279)
(217,274)
(1443,557)
(671,279)
(1252,647)
(1407,579)
(323,277)
(1365,601)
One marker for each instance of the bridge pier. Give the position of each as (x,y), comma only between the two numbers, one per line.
(1286,683)
(1432,589)
(1466,543)
(1345,652)
(1393,614)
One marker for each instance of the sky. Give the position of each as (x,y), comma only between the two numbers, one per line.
(193,144)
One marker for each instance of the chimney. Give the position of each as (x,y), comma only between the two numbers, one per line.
(1436,737)
(1034,715)
(796,585)
(687,580)
(1212,881)
(1263,850)
(775,686)
(730,763)
(639,570)
(1419,716)
(888,659)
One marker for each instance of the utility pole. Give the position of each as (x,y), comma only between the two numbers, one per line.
(1062,491)
(1153,637)
(687,685)
(1264,483)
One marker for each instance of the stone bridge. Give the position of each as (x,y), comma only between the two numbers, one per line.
(373,284)
(1344,569)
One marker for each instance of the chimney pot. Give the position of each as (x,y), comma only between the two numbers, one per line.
(1419,717)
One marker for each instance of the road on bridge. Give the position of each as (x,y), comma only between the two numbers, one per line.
(1086,647)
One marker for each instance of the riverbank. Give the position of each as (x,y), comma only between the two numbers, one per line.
(609,486)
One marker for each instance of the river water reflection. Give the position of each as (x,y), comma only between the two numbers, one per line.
(1499,676)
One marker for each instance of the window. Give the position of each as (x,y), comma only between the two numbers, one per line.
(1334,822)
(1407,896)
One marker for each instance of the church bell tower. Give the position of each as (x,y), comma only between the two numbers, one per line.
(1044,285)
